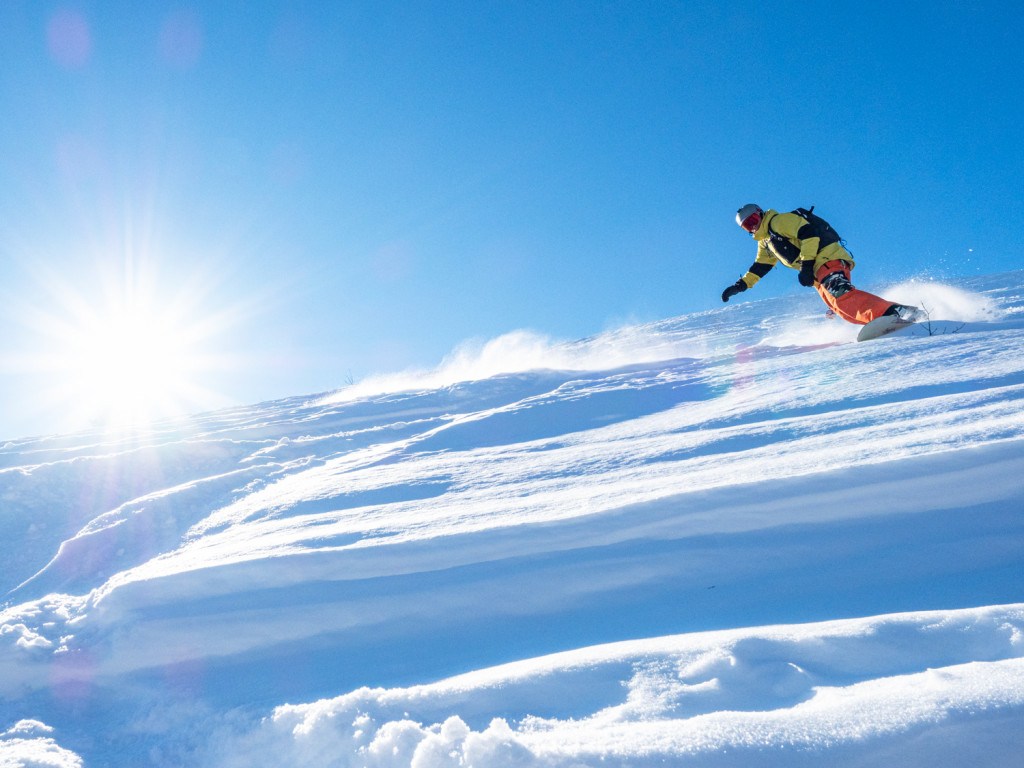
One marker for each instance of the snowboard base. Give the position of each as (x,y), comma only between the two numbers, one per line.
(882,326)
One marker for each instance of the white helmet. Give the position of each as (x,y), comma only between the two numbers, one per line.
(749,217)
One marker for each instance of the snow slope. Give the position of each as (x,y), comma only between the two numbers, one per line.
(729,538)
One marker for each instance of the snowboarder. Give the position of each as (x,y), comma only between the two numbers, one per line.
(804,241)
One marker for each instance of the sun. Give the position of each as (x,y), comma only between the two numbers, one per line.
(129,354)
(131,364)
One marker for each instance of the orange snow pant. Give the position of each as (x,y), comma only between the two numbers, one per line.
(852,305)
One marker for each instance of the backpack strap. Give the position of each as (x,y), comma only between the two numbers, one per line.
(817,227)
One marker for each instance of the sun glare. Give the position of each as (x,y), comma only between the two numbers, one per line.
(124,357)
(129,365)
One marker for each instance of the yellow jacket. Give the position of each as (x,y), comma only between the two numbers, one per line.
(791,240)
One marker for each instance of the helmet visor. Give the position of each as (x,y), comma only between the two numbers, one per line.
(752,222)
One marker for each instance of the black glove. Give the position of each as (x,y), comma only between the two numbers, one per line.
(738,287)
(807,274)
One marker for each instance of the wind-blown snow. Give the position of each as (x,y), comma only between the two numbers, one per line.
(522,351)
(729,538)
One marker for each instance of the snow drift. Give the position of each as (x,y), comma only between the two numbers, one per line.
(721,539)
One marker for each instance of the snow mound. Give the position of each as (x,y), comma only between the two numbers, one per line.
(789,689)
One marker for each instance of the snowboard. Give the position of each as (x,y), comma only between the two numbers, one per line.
(881,326)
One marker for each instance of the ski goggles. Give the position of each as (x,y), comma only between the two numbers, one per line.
(752,222)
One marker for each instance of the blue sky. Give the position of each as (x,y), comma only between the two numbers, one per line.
(301,193)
